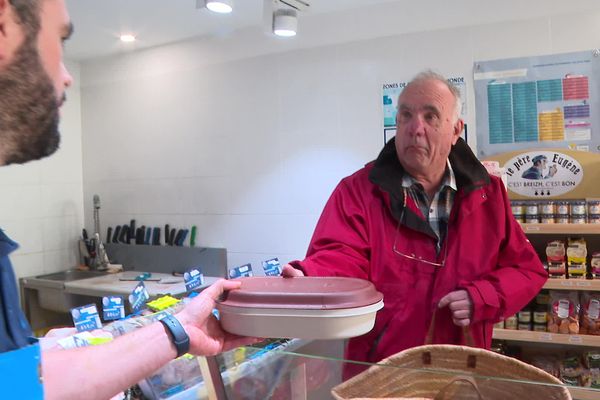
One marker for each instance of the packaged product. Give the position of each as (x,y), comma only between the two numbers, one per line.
(563,312)
(595,264)
(591,359)
(555,252)
(590,313)
(511,322)
(571,370)
(576,258)
(591,376)
(548,363)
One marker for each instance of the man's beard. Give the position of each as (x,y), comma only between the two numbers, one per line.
(28,108)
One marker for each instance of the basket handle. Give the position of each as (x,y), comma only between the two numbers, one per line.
(466,332)
(465,379)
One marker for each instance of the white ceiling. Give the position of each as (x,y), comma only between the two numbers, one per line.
(98,23)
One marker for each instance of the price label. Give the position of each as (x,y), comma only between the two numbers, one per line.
(546,337)
(575,339)
(113,307)
(241,272)
(86,318)
(272,267)
(193,279)
(138,297)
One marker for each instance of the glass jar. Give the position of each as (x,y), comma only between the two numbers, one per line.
(517,207)
(577,208)
(540,315)
(511,322)
(531,208)
(547,218)
(594,219)
(524,316)
(524,327)
(562,207)
(593,207)
(540,328)
(561,219)
(546,207)
(578,219)
(532,219)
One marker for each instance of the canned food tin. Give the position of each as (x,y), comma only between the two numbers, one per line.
(594,219)
(562,207)
(547,207)
(578,208)
(547,218)
(593,206)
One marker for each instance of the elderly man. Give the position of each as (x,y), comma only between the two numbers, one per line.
(33,80)
(430,228)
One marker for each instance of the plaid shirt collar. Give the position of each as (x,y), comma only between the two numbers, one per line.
(437,213)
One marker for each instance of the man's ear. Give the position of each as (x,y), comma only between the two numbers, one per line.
(458,128)
(11,33)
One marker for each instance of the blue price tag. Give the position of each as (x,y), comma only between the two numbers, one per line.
(86,318)
(113,307)
(138,297)
(241,272)
(193,279)
(272,267)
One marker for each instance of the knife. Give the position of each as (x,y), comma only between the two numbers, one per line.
(167,233)
(182,237)
(139,235)
(117,233)
(178,237)
(193,236)
(131,232)
(156,236)
(108,234)
(123,235)
(148,235)
(172,237)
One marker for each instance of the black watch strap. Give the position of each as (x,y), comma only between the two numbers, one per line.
(178,335)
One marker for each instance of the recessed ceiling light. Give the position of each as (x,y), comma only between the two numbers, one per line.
(220,6)
(127,38)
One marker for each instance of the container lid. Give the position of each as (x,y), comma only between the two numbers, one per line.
(314,293)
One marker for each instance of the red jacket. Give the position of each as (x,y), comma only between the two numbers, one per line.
(487,254)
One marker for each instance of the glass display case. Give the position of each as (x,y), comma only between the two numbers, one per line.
(299,369)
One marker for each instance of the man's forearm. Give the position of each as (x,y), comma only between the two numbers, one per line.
(101,372)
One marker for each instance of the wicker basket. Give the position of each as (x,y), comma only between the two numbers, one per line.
(451,372)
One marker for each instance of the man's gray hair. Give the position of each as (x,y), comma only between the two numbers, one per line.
(429,75)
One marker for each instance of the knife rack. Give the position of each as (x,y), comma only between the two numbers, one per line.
(168,259)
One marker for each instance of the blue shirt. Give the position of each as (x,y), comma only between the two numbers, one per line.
(14,328)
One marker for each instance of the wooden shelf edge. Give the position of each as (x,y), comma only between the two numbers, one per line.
(560,229)
(581,393)
(546,337)
(573,284)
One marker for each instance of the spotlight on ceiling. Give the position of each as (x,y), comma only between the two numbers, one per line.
(127,38)
(285,22)
(219,6)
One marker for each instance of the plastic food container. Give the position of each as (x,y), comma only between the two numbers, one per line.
(301,307)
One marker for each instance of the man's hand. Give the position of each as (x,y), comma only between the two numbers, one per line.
(289,272)
(460,305)
(206,336)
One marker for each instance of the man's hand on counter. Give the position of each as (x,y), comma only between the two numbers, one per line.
(289,272)
(203,329)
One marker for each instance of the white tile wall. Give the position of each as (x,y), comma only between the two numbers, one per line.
(249,148)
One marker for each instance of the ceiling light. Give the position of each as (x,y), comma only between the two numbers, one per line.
(285,22)
(127,38)
(219,6)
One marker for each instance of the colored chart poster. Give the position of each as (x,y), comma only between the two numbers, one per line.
(391,91)
(543,102)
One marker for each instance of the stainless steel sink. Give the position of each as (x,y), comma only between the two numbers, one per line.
(51,288)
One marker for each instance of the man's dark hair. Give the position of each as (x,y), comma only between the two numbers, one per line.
(28,14)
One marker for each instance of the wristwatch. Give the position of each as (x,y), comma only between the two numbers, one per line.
(178,335)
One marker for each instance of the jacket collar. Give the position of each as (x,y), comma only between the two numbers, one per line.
(387,173)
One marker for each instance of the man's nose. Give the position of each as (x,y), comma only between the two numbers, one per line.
(417,125)
(67,78)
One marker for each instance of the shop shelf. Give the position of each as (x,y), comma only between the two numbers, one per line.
(547,337)
(573,284)
(562,229)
